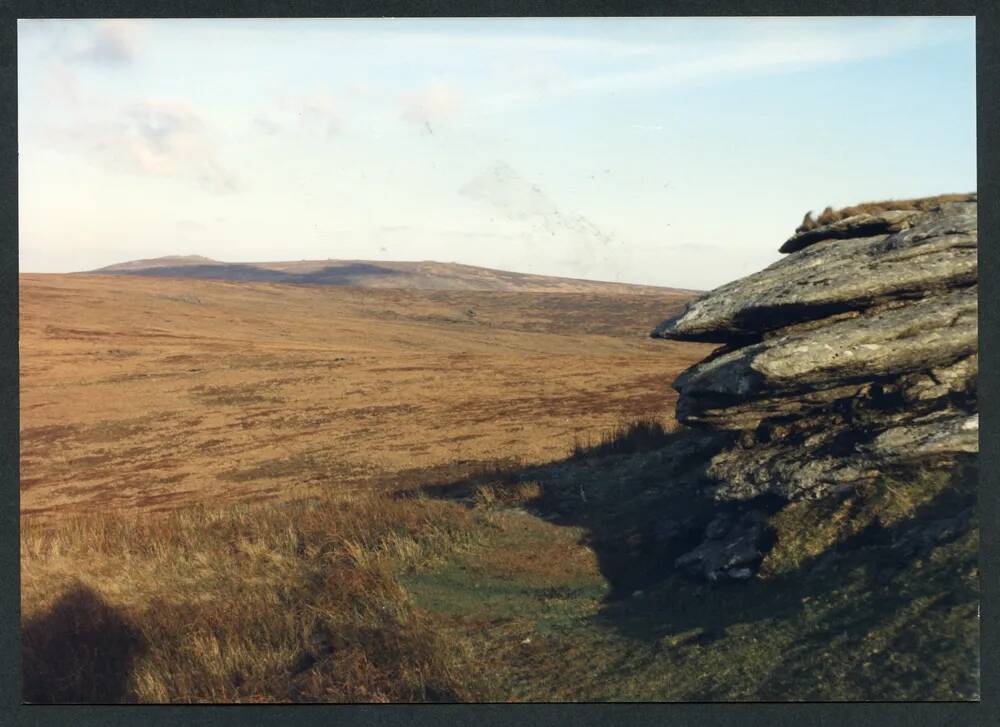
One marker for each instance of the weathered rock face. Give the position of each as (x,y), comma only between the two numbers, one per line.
(730,549)
(833,273)
(854,353)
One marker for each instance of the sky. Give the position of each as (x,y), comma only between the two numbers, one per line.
(664,151)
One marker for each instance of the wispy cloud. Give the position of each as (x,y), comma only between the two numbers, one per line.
(112,43)
(266,125)
(442,41)
(773,50)
(157,138)
(317,111)
(566,238)
(60,83)
(313,112)
(103,43)
(436,103)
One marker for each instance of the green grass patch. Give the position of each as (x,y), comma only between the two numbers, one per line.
(882,606)
(551,583)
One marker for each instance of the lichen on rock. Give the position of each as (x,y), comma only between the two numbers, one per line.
(855,353)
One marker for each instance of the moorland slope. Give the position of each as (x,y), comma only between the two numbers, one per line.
(808,532)
(424,275)
(157,393)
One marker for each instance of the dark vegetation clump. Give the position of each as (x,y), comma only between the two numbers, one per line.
(636,435)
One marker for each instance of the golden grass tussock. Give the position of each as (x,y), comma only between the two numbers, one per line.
(923,204)
(637,434)
(247,603)
(517,494)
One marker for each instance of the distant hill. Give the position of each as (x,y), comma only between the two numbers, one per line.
(423,275)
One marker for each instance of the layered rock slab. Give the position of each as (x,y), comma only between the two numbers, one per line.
(937,252)
(876,344)
(854,354)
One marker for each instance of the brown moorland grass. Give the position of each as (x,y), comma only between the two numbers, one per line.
(150,394)
(227,499)
(376,596)
(209,472)
(639,434)
(924,204)
(246,603)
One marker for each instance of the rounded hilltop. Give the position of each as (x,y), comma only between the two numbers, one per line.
(157,262)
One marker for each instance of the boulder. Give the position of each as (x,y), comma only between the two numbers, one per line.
(732,544)
(935,253)
(855,353)
(881,342)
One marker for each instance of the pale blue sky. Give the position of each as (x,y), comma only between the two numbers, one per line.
(674,152)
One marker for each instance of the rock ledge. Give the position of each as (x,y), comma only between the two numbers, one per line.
(855,353)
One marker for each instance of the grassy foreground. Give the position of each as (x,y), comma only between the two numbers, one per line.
(507,583)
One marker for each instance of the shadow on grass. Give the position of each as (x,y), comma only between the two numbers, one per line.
(338,274)
(640,435)
(80,651)
(642,499)
(624,490)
